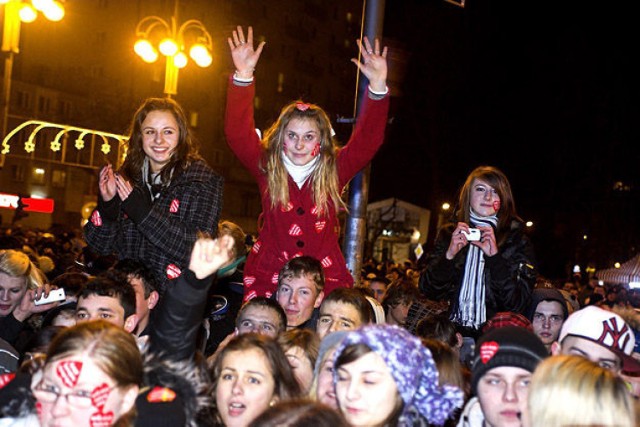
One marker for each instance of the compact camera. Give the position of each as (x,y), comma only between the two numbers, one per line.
(54,295)
(473,235)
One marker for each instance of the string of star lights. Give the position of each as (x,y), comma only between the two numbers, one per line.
(38,126)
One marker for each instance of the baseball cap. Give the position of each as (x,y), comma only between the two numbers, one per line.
(605,328)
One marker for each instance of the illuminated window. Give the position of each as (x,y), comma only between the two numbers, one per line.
(37,176)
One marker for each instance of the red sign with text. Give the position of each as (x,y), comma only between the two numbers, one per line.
(29,204)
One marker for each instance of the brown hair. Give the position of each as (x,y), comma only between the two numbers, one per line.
(286,385)
(324,179)
(111,348)
(498,180)
(303,266)
(185,152)
(306,339)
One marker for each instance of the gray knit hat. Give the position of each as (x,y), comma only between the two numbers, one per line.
(413,369)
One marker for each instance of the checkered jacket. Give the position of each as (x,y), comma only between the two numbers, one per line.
(164,238)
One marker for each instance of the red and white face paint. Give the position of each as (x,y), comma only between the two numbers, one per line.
(484,199)
(68,372)
(96,401)
(301,141)
(316,150)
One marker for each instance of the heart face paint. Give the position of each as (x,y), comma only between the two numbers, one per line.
(99,396)
(496,205)
(69,371)
(99,419)
(316,150)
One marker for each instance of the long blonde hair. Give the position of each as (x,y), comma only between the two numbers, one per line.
(324,179)
(570,390)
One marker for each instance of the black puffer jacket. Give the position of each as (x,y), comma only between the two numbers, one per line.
(509,276)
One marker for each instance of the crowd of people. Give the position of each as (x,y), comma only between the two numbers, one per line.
(172,317)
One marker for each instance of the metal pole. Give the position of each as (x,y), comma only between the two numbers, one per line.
(10,42)
(356,221)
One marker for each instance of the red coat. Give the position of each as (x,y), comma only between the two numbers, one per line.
(297,229)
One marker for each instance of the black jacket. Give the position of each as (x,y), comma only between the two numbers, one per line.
(509,275)
(163,236)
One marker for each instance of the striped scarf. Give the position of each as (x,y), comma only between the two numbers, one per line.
(471,310)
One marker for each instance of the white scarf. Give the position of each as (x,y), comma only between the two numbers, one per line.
(299,173)
(472,310)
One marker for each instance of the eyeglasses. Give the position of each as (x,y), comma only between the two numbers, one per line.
(81,399)
(554,319)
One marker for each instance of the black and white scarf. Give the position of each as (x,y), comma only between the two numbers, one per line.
(472,310)
(152,180)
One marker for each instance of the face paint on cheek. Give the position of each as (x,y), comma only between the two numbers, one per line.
(39,409)
(98,419)
(496,205)
(316,150)
(99,396)
(69,372)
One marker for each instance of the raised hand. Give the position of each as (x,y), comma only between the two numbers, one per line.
(208,255)
(374,65)
(458,240)
(107,183)
(124,187)
(487,240)
(244,56)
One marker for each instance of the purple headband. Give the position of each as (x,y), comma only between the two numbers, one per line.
(412,368)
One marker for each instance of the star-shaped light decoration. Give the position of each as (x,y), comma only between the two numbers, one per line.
(29,146)
(55,145)
(79,144)
(106,148)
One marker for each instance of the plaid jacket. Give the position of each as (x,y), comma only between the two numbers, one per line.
(164,238)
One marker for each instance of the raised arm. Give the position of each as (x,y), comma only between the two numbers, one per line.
(374,65)
(243,54)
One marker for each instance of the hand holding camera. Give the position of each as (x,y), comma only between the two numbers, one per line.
(473,235)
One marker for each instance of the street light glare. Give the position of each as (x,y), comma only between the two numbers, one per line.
(200,54)
(53,11)
(168,47)
(180,60)
(145,50)
(41,5)
(27,13)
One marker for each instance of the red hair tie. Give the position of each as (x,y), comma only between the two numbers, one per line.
(302,106)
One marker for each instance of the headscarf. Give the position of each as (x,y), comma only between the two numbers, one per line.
(413,370)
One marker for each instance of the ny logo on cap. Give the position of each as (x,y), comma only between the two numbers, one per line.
(618,337)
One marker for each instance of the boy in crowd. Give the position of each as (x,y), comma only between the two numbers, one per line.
(108,297)
(343,309)
(601,336)
(547,312)
(301,291)
(144,284)
(503,362)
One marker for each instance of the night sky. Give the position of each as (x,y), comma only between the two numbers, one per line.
(546,91)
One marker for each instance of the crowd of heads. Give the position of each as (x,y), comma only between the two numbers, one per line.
(301,355)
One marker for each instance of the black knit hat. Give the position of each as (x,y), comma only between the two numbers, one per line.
(506,346)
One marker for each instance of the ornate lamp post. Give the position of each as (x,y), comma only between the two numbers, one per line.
(15,12)
(174,42)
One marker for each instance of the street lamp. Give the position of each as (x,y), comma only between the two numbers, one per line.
(15,12)
(172,42)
